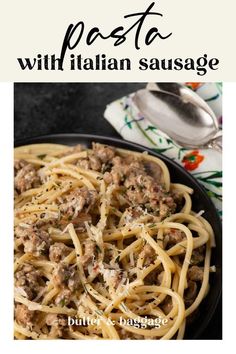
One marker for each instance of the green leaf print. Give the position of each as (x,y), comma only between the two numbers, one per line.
(213,183)
(181,150)
(169,141)
(151,127)
(210,178)
(160,151)
(214,174)
(212,194)
(127,122)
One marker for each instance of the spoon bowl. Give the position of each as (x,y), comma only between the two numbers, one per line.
(181,114)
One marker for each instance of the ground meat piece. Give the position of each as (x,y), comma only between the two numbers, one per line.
(22,231)
(123,167)
(58,251)
(136,196)
(103,152)
(66,276)
(89,252)
(154,277)
(195,273)
(167,206)
(113,276)
(78,199)
(190,293)
(58,324)
(164,210)
(29,279)
(35,241)
(139,188)
(112,177)
(173,237)
(24,316)
(18,165)
(118,162)
(78,222)
(154,170)
(47,220)
(95,163)
(116,277)
(55,320)
(64,298)
(84,163)
(167,305)
(132,214)
(198,255)
(160,277)
(131,165)
(108,178)
(178,198)
(75,202)
(90,163)
(148,254)
(144,190)
(142,181)
(26,177)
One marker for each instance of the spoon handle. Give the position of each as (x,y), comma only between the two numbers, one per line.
(216,143)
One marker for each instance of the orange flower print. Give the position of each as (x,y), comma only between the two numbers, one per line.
(192,160)
(193,85)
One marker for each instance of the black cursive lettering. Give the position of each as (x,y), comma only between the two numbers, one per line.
(74,33)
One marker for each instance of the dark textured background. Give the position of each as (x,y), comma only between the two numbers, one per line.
(65,108)
(50,108)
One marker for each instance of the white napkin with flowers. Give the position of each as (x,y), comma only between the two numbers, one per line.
(204,164)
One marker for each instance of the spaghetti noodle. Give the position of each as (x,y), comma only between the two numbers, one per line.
(103,235)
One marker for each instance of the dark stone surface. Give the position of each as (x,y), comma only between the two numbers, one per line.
(65,108)
(50,108)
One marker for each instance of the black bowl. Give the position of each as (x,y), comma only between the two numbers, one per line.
(200,199)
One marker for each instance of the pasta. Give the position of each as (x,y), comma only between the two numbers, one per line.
(106,247)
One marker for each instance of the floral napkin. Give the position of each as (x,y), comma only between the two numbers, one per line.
(204,164)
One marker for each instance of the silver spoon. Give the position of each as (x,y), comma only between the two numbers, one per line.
(181,114)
